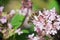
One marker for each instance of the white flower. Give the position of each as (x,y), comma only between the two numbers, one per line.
(31,36)
(53,32)
(19,31)
(36,38)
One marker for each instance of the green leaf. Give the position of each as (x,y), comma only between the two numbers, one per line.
(53,4)
(25,31)
(17,21)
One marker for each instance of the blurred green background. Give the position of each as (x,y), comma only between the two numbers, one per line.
(37,4)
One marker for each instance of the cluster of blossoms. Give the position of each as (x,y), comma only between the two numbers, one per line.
(4,21)
(3,18)
(46,23)
(26,7)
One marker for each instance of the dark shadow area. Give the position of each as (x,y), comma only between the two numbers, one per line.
(58,1)
(1,36)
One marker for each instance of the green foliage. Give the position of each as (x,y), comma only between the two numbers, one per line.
(52,4)
(17,21)
(25,34)
(47,38)
(48,4)
(25,31)
(19,37)
(3,2)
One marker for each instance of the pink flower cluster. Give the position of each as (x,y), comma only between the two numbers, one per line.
(47,21)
